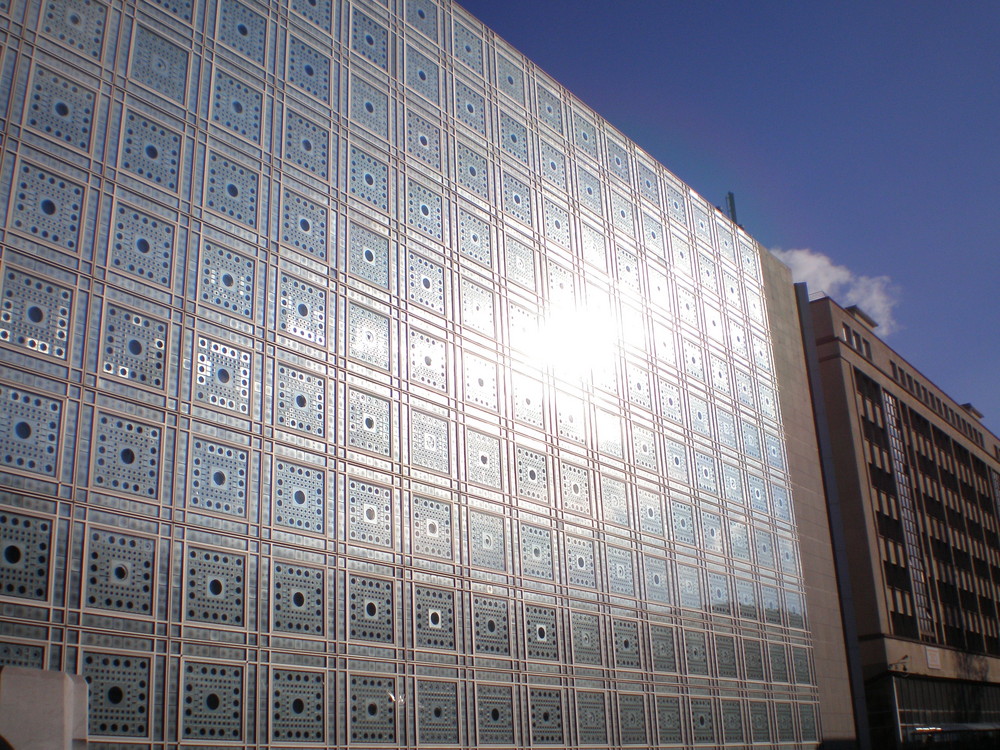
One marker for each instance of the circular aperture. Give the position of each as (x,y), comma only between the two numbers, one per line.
(215,587)
(370,609)
(298,706)
(12,554)
(222,374)
(127,456)
(120,572)
(48,207)
(134,347)
(152,152)
(219,478)
(299,496)
(232,190)
(298,599)
(300,401)
(372,709)
(237,106)
(61,109)
(495,714)
(115,695)
(242,29)
(228,280)
(435,618)
(302,310)
(212,701)
(22,430)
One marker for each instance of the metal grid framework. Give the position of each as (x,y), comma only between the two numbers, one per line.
(280,462)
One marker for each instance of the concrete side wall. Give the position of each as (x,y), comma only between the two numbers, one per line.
(819,574)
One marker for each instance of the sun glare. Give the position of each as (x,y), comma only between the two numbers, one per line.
(574,342)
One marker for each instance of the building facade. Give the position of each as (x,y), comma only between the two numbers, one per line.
(363,387)
(918,486)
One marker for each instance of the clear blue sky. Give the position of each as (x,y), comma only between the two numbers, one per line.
(868,132)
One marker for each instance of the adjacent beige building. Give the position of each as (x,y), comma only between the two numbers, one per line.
(915,483)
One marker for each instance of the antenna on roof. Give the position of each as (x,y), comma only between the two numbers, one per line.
(731,207)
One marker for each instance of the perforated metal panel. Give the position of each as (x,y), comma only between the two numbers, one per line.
(368,255)
(661,641)
(222,378)
(151,151)
(215,587)
(35,314)
(212,703)
(580,568)
(368,423)
(491,624)
(126,456)
(477,308)
(298,706)
(424,209)
(306,144)
(227,279)
(431,527)
(481,382)
(628,650)
(422,75)
(591,718)
(586,635)
(29,437)
(429,444)
(372,709)
(236,106)
(243,30)
(159,64)
(536,552)
(471,168)
(142,245)
(487,541)
(632,719)
(370,513)
(425,282)
(516,198)
(423,139)
(61,108)
(25,555)
(232,189)
(218,477)
(468,47)
(470,108)
(370,606)
(300,400)
(119,694)
(532,475)
(299,496)
(47,206)
(135,347)
(428,361)
(120,572)
(495,714)
(308,69)
(541,636)
(668,719)
(369,39)
(433,618)
(437,712)
(78,24)
(297,599)
(22,655)
(546,716)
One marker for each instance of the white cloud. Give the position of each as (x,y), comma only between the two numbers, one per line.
(876,295)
